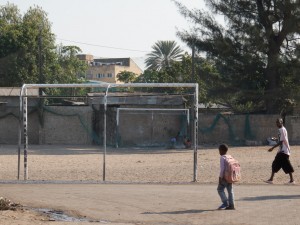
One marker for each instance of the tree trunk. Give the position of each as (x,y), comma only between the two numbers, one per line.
(272,78)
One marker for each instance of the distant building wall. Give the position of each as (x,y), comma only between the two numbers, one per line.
(105,73)
(133,67)
(107,69)
(86,57)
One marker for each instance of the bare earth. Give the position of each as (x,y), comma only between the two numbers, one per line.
(152,187)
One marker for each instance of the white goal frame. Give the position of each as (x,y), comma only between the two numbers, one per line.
(23,118)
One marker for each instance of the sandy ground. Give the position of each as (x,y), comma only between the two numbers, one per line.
(151,186)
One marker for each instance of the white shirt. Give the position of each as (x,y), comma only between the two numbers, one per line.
(283,136)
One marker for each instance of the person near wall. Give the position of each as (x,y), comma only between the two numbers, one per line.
(187,142)
(175,139)
(282,160)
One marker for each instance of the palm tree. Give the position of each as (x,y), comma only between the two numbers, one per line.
(164,52)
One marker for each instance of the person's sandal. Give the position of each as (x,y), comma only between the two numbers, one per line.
(269,181)
(291,182)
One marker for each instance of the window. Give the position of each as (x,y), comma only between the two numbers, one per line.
(100,75)
(109,75)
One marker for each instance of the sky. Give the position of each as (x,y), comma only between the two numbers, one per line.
(113,28)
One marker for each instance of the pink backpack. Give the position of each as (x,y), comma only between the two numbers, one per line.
(232,169)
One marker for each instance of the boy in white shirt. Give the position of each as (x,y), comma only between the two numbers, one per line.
(282,157)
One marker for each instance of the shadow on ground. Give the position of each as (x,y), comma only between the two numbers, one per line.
(270,197)
(191,211)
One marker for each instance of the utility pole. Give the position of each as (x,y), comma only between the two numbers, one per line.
(40,60)
(193,61)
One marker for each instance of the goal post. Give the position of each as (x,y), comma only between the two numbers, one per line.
(23,120)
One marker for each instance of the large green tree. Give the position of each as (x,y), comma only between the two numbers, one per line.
(10,25)
(28,53)
(255,50)
(71,68)
(163,54)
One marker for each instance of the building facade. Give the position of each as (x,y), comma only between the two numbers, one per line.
(107,69)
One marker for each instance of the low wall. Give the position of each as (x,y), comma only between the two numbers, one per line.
(84,125)
(236,129)
(150,128)
(292,124)
(66,125)
(9,125)
(57,125)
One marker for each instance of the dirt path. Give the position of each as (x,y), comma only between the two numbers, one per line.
(149,204)
(163,201)
(85,163)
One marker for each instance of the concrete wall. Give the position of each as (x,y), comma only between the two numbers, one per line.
(234,129)
(9,125)
(67,125)
(292,124)
(80,124)
(150,128)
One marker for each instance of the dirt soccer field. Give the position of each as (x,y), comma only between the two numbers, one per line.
(65,186)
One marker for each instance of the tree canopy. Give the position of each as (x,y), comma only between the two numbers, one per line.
(181,72)
(163,54)
(28,53)
(255,51)
(126,76)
